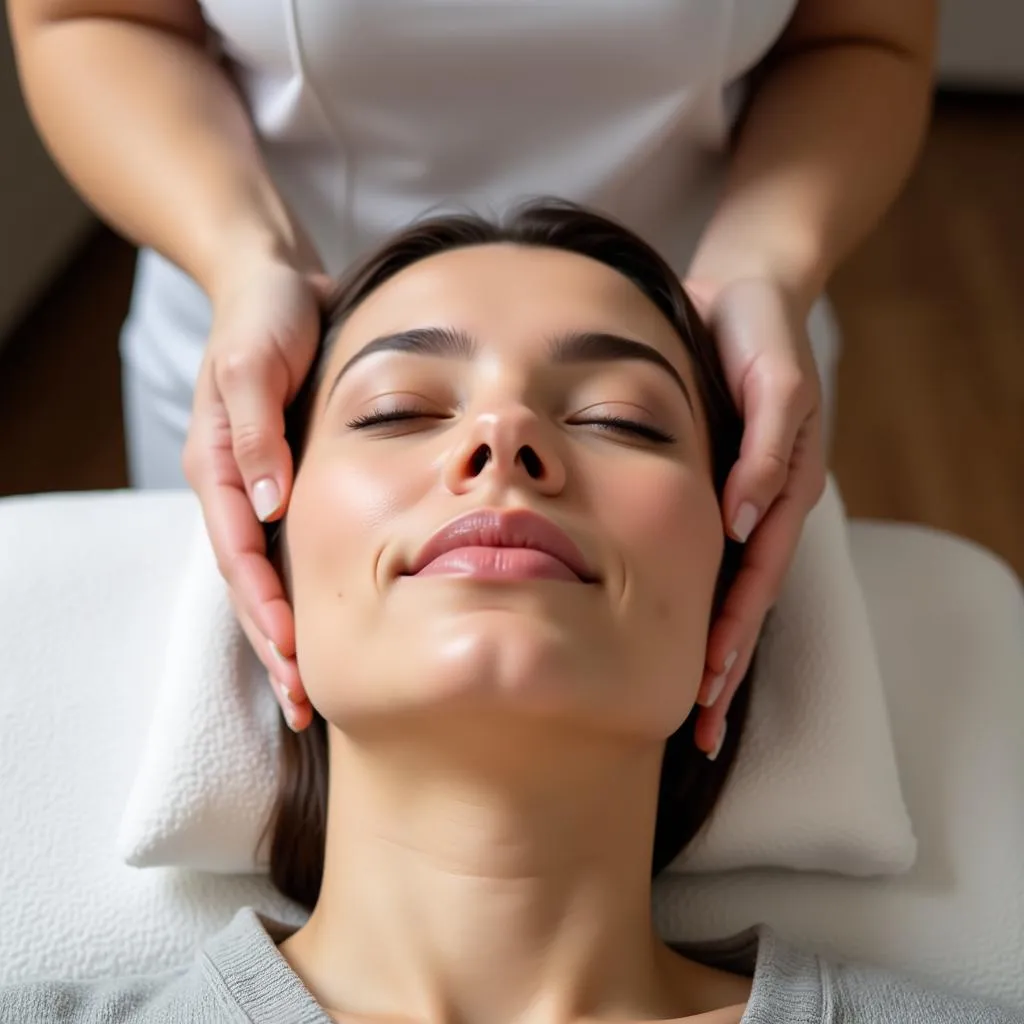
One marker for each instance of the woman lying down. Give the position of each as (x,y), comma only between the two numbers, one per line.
(504,550)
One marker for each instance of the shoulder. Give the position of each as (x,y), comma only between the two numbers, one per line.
(232,970)
(794,983)
(175,997)
(861,993)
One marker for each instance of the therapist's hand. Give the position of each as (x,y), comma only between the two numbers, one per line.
(266,325)
(780,475)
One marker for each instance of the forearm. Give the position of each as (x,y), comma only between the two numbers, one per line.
(828,140)
(154,136)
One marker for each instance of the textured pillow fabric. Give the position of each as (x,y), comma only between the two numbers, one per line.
(815,785)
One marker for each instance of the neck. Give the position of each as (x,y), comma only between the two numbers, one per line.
(507,878)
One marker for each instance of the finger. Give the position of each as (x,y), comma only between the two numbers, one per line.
(768,556)
(253,386)
(246,568)
(776,408)
(283,678)
(710,724)
(735,633)
(711,717)
(282,674)
(235,533)
(766,560)
(283,668)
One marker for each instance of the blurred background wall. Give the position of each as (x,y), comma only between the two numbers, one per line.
(931,390)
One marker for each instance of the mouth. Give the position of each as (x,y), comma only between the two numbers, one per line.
(502,544)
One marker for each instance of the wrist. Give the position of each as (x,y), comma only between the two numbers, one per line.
(792,264)
(252,242)
(235,258)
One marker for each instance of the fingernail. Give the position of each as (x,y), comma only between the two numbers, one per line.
(721,739)
(266,498)
(277,652)
(730,660)
(745,521)
(714,691)
(294,699)
(289,717)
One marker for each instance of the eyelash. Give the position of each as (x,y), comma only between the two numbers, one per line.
(379,417)
(620,423)
(376,417)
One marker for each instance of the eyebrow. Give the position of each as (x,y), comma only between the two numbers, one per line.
(567,348)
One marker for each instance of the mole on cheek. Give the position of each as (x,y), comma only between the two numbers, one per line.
(662,609)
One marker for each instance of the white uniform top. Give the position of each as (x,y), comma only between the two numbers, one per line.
(372,112)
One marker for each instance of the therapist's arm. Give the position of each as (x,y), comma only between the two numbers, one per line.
(149,128)
(827,141)
(829,135)
(153,133)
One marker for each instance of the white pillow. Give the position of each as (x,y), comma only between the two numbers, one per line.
(815,785)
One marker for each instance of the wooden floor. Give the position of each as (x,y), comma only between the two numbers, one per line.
(931,392)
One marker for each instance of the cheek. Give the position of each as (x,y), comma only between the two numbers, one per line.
(683,542)
(331,520)
(670,525)
(670,534)
(339,524)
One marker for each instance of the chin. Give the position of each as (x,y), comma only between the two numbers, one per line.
(513,659)
(520,660)
(465,662)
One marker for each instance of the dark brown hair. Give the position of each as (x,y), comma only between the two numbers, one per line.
(690,783)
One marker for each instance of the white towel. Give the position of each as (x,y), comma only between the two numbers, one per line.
(815,786)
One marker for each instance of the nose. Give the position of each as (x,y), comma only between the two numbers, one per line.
(505,447)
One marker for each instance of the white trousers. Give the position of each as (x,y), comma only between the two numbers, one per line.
(162,347)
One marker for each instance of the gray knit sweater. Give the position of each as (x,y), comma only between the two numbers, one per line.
(240,977)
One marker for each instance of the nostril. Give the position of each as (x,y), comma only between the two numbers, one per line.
(479,459)
(531,463)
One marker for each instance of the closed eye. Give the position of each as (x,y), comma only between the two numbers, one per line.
(379,417)
(615,424)
(620,424)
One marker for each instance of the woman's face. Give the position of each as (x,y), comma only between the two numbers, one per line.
(544,392)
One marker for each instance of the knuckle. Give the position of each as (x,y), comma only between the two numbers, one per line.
(790,386)
(229,566)
(249,442)
(772,468)
(224,567)
(239,366)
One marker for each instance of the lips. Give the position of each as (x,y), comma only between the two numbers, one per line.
(502,542)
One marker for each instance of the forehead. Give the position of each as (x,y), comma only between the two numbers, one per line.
(506,293)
